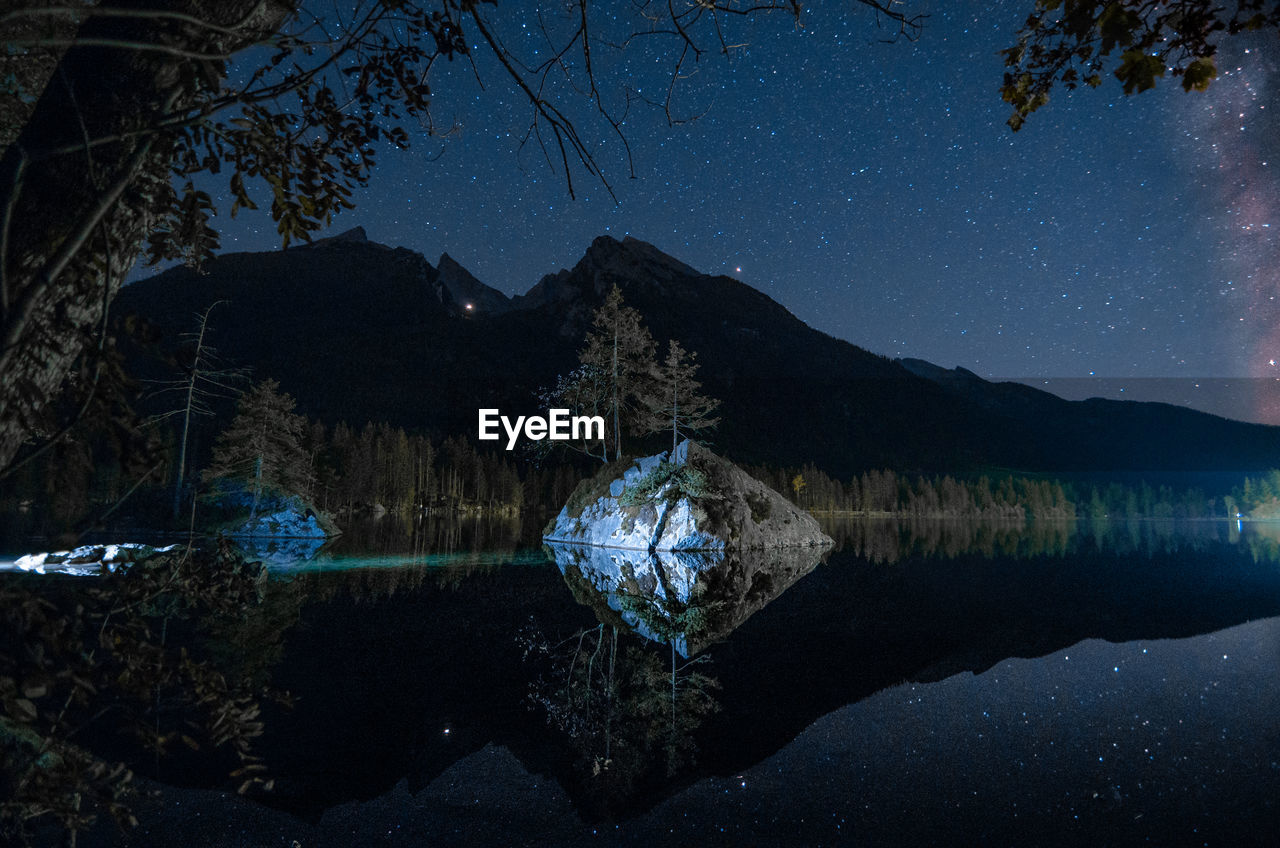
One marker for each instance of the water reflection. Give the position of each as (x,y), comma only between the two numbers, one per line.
(407,672)
(633,714)
(412,535)
(279,553)
(629,714)
(890,540)
(397,542)
(687,599)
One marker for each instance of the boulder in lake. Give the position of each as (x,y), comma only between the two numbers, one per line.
(700,502)
(231,509)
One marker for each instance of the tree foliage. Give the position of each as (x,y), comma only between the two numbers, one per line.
(583,391)
(1073,42)
(619,356)
(674,401)
(89,659)
(263,443)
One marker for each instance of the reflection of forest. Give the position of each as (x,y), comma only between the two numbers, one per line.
(1263,539)
(890,540)
(394,533)
(886,493)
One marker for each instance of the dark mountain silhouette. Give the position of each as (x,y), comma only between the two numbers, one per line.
(466,289)
(359,331)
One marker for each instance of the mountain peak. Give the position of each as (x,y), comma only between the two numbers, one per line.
(471,294)
(353,234)
(633,259)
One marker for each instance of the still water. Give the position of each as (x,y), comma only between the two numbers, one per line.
(937,683)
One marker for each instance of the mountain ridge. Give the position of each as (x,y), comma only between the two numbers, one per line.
(358,331)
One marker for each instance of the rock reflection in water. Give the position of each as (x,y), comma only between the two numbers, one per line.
(687,599)
(280,552)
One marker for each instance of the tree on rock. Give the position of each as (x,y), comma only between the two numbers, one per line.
(583,391)
(676,402)
(620,350)
(263,444)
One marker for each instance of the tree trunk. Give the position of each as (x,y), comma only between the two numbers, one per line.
(186,415)
(617,431)
(675,419)
(257,488)
(72,224)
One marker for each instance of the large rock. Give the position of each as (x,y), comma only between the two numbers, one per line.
(231,509)
(709,504)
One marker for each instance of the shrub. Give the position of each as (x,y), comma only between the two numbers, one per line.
(678,480)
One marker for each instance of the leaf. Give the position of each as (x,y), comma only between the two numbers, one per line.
(1116,25)
(1138,71)
(1199,74)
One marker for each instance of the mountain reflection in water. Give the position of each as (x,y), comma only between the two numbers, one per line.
(1047,683)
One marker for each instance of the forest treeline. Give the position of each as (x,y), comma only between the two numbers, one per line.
(404,472)
(1002,497)
(383,466)
(353,471)
(1259,497)
(343,470)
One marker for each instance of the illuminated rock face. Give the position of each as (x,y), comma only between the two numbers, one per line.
(88,559)
(726,510)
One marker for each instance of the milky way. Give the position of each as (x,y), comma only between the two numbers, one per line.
(1244,134)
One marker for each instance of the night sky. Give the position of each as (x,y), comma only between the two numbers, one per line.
(875,190)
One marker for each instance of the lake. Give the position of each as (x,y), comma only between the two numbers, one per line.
(929,683)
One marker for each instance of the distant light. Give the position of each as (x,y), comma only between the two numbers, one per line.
(446,730)
(737,270)
(469,308)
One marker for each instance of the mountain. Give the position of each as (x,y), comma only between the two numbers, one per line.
(359,331)
(466,289)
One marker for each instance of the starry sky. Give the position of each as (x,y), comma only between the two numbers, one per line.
(1116,245)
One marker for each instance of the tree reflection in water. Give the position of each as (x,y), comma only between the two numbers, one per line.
(630,711)
(891,540)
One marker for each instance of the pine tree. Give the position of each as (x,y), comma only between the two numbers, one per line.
(263,443)
(622,350)
(674,401)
